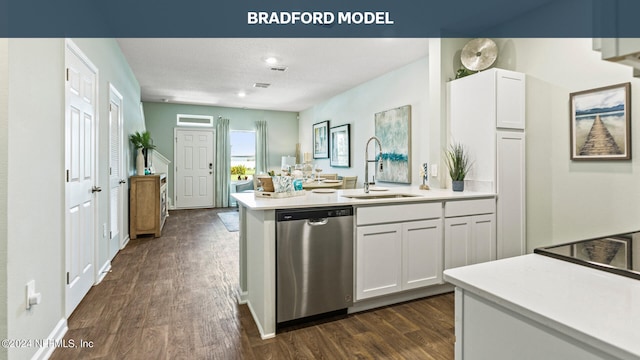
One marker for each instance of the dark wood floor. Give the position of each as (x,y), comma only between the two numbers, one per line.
(174,297)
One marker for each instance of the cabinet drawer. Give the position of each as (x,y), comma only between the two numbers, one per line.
(398,213)
(469,207)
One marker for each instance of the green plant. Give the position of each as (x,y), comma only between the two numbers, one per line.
(458,162)
(142,140)
(238,170)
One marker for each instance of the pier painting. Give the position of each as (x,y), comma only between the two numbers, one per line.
(600,123)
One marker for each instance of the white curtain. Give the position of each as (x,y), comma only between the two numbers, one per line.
(223,162)
(262,153)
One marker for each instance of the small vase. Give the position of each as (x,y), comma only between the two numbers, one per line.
(458,185)
(140,163)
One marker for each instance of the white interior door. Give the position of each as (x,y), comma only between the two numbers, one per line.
(80,161)
(194,168)
(116,171)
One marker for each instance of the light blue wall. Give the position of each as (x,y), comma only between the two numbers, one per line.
(161,121)
(35,173)
(408,85)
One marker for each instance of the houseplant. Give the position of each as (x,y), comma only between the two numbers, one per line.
(143,142)
(457,159)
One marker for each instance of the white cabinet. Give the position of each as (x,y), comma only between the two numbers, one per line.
(511,189)
(378,260)
(487,115)
(421,253)
(469,232)
(398,256)
(469,240)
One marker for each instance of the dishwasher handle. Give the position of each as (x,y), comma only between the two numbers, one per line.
(318,222)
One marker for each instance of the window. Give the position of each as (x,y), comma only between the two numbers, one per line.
(194,120)
(243,154)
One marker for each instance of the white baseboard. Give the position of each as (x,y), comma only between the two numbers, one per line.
(368,304)
(55,337)
(125,242)
(103,272)
(263,336)
(243,296)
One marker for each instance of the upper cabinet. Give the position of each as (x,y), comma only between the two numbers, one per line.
(509,99)
(621,50)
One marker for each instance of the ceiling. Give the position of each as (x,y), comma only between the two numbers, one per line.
(214,71)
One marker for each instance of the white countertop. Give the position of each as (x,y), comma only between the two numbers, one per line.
(592,306)
(311,199)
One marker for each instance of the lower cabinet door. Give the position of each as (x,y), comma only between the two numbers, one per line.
(457,236)
(421,253)
(378,260)
(469,240)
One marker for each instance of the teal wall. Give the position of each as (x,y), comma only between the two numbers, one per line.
(32,169)
(282,127)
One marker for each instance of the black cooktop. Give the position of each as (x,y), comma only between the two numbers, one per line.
(610,253)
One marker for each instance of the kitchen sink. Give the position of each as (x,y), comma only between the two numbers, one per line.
(380,196)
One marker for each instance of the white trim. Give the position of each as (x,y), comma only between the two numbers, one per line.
(243,297)
(104,270)
(125,241)
(161,157)
(118,99)
(55,336)
(263,336)
(189,124)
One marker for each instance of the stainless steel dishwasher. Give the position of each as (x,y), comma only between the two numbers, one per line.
(314,262)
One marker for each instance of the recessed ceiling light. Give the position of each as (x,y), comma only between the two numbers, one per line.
(271,60)
(242,94)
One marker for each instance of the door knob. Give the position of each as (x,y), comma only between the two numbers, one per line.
(96,189)
(121,181)
(210,165)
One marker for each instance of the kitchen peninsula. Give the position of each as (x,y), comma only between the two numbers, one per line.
(538,307)
(413,264)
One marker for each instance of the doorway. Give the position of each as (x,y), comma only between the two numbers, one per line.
(194,167)
(117,182)
(81,177)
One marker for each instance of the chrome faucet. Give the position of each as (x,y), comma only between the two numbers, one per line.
(367,161)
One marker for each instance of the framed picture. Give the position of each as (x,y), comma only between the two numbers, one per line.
(600,123)
(340,145)
(321,140)
(393,128)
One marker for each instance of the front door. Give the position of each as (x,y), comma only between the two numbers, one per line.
(194,168)
(80,163)
(116,178)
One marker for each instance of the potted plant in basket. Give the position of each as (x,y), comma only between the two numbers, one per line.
(143,142)
(458,162)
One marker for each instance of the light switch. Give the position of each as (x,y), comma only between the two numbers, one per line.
(434,170)
(33,298)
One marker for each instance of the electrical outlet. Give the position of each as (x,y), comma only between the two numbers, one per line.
(434,169)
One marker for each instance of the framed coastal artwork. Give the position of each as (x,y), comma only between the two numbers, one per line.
(321,140)
(340,146)
(600,123)
(393,128)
